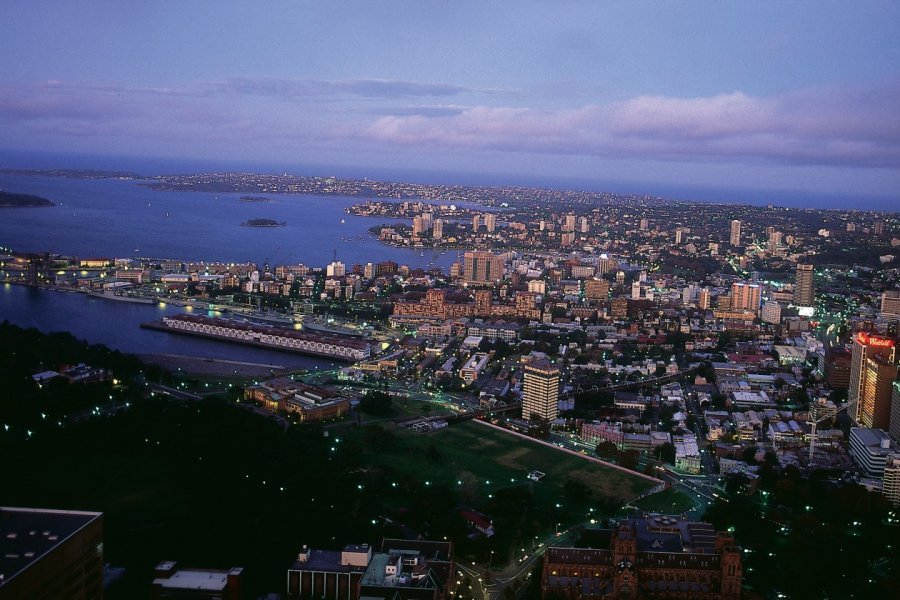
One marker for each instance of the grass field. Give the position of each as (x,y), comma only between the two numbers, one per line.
(508,458)
(669,501)
(479,461)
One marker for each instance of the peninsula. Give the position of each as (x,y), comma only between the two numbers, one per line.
(8,200)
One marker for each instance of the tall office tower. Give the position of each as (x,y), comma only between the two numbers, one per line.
(540,390)
(476,223)
(584,226)
(568,223)
(490,222)
(418,226)
(735,238)
(482,267)
(890,303)
(873,368)
(894,425)
(427,220)
(679,233)
(703,299)
(804,292)
(745,296)
(437,229)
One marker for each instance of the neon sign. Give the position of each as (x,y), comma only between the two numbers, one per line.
(876,341)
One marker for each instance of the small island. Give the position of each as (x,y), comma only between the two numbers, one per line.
(263,223)
(255,199)
(8,200)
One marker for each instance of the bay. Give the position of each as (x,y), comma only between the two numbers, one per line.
(117,325)
(120,218)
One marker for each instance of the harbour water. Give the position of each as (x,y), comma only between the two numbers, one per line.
(119,218)
(117,325)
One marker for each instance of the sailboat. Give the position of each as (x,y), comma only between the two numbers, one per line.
(343,221)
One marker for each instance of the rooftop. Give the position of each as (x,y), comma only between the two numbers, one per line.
(27,534)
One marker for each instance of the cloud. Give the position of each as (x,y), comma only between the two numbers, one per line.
(857,127)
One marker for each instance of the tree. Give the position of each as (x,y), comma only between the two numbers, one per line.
(607,450)
(629,459)
(666,453)
(375,403)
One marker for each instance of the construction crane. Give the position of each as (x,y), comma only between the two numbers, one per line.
(813,423)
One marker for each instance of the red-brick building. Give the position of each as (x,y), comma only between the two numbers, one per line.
(651,557)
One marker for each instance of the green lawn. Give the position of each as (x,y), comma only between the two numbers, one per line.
(479,461)
(506,459)
(668,501)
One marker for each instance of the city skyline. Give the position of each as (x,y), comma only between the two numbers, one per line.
(793,97)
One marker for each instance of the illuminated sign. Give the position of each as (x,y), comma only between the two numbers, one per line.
(870,340)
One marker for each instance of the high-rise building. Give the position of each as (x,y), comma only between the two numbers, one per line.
(890,303)
(679,233)
(874,407)
(437,231)
(584,225)
(894,426)
(837,368)
(51,554)
(873,368)
(540,390)
(804,292)
(427,220)
(745,296)
(476,223)
(418,225)
(568,223)
(644,224)
(703,299)
(490,222)
(482,267)
(735,237)
(369,271)
(336,269)
(771,312)
(890,482)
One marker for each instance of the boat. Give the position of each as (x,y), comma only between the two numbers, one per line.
(343,221)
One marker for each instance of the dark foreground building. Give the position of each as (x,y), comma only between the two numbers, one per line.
(649,557)
(51,554)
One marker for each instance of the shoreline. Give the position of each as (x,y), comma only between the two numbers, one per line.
(216,367)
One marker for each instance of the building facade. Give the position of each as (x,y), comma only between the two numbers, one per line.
(540,390)
(51,554)
(649,557)
(804,292)
(873,368)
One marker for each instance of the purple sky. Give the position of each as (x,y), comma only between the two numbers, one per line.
(786,95)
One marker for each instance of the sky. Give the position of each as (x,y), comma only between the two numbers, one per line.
(753,94)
